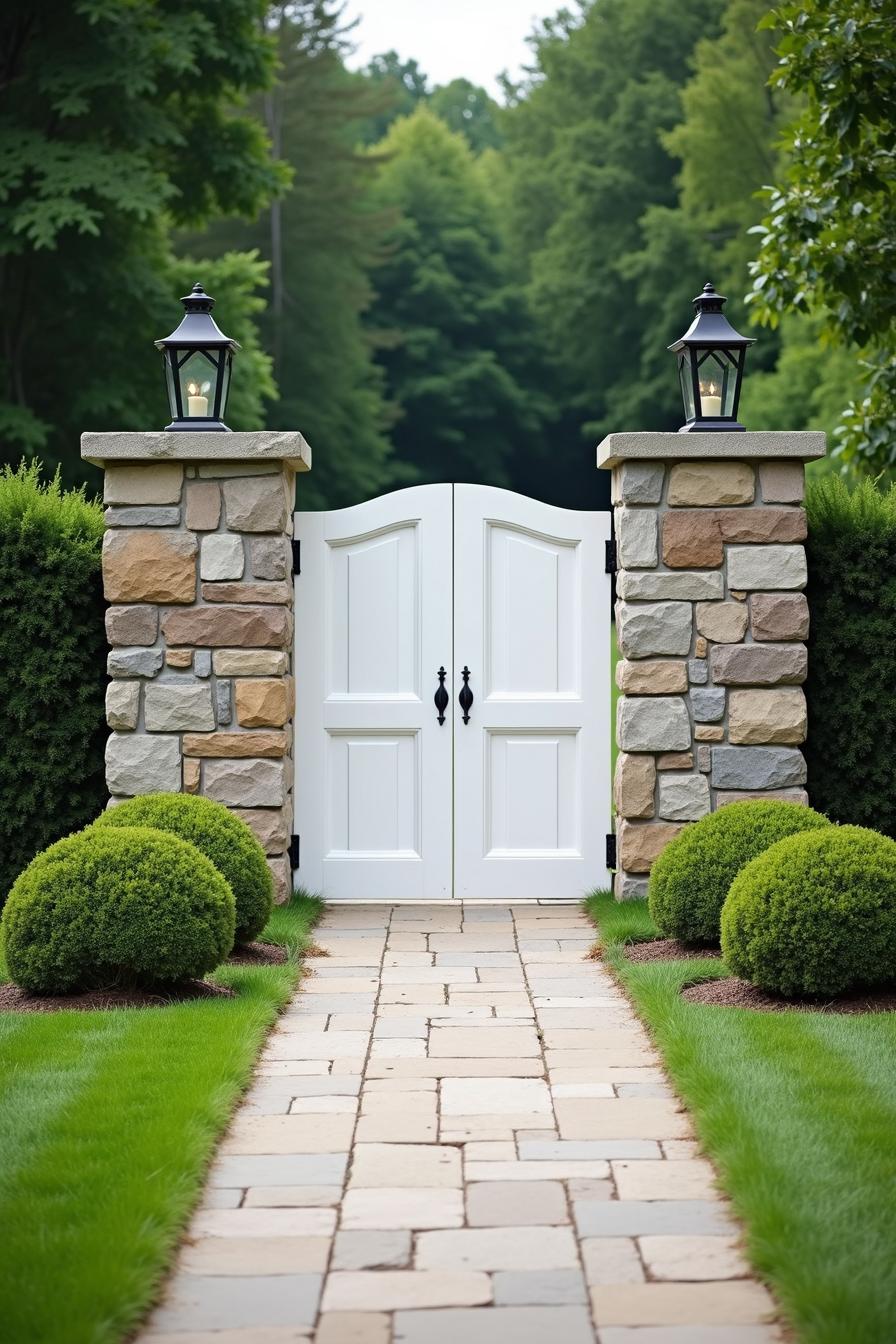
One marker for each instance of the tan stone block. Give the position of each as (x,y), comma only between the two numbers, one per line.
(147,566)
(249,663)
(255,504)
(709,732)
(404,1289)
(700,647)
(612,1260)
(782,482)
(215,627)
(255,1255)
(649,1179)
(724,796)
(127,627)
(203,506)
(652,676)
(399,1165)
(680,1259)
(711,483)
(675,760)
(620,1118)
(730,1303)
(192,770)
(236,745)
(722,622)
(692,540)
(779,616)
(270,825)
(640,845)
(123,705)
(282,876)
(633,785)
(261,702)
(179,657)
(401,1207)
(153,483)
(246,783)
(247,592)
(352,1327)
(765,717)
(282,1134)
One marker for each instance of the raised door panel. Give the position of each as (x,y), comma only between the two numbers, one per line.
(532,794)
(531,589)
(374,602)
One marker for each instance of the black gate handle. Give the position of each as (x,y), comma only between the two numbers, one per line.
(440,699)
(466,695)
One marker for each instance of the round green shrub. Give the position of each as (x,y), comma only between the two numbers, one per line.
(116,906)
(815,914)
(221,837)
(690,880)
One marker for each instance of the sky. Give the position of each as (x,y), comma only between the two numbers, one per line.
(449,38)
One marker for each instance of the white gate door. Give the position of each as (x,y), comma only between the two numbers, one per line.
(508,798)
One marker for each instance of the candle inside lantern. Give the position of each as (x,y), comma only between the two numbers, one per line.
(710,400)
(196,404)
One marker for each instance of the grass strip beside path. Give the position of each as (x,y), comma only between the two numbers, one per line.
(108,1121)
(798,1112)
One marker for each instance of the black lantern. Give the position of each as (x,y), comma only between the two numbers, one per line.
(198,361)
(710,366)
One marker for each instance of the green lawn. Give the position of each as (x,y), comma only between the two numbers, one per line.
(107,1124)
(798,1111)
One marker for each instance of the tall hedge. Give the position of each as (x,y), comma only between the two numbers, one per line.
(851,690)
(52,666)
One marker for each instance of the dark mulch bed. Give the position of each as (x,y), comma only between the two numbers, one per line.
(258,954)
(735,993)
(668,949)
(16,1000)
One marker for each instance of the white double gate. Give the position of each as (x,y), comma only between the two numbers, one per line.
(497,787)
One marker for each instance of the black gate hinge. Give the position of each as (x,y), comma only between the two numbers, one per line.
(296,557)
(611,851)
(294,848)
(611,560)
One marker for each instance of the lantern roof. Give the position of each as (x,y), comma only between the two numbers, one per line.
(710,326)
(197,327)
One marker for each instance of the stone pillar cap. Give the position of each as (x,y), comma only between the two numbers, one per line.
(254,445)
(765,444)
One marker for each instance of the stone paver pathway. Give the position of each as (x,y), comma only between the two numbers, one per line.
(460,1134)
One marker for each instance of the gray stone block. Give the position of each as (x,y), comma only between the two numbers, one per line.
(137,763)
(643,446)
(629,888)
(766,567)
(122,704)
(698,671)
(271,558)
(381,1249)
(134,662)
(223,700)
(280,1169)
(494,1325)
(199,1302)
(639,1218)
(636,532)
(648,629)
(708,704)
(641,482)
(171,708)
(750,768)
(652,723)
(202,663)
(759,664)
(683,797)
(543,1287)
(153,516)
(244,446)
(684,585)
(221,556)
(245,783)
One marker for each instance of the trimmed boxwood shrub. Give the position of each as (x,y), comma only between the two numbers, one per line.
(52,666)
(815,914)
(851,745)
(111,906)
(690,880)
(221,836)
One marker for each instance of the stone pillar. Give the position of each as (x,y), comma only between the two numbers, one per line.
(711,623)
(197,568)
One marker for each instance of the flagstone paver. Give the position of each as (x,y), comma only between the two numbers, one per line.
(460,1131)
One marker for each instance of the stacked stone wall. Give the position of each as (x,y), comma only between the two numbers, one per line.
(711,623)
(197,568)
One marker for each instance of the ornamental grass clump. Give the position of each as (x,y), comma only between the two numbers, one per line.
(690,880)
(222,838)
(815,914)
(116,907)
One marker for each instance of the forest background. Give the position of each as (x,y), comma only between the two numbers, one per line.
(430,283)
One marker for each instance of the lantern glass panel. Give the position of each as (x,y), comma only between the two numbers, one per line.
(171,382)
(227,362)
(198,375)
(717,375)
(687,384)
